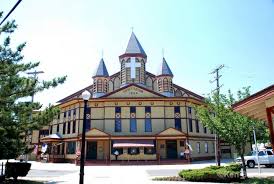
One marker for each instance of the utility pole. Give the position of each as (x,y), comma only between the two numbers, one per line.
(35,77)
(217,139)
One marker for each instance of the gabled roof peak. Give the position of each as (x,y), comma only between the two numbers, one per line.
(101,70)
(164,69)
(134,46)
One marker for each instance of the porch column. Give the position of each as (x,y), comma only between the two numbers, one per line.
(269,112)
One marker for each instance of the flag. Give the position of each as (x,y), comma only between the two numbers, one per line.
(44,148)
(35,150)
(189,146)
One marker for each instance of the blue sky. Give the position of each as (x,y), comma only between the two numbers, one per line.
(68,37)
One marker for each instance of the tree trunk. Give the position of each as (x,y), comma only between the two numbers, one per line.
(244,166)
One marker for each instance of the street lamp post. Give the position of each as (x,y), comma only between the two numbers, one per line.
(85,96)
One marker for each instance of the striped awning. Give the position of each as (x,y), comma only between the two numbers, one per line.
(132,143)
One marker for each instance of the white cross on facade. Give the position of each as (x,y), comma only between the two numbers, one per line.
(132,65)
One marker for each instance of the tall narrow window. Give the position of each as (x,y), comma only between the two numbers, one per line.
(170,85)
(160,85)
(132,109)
(117,109)
(69,113)
(205,130)
(64,128)
(71,147)
(198,147)
(133,125)
(57,128)
(99,85)
(197,126)
(118,124)
(190,125)
(148,126)
(206,147)
(165,84)
(189,110)
(105,85)
(177,109)
(148,109)
(68,129)
(88,117)
(74,126)
(178,124)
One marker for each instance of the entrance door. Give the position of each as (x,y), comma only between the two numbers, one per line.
(91,151)
(171,149)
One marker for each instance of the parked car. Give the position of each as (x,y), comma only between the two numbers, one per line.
(266,157)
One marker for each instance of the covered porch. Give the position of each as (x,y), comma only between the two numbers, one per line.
(55,148)
(259,106)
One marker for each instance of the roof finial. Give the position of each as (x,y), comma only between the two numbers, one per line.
(163,52)
(102,53)
(132,28)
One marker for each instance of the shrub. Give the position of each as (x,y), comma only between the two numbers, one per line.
(213,173)
(15,169)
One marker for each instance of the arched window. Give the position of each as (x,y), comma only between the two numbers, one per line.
(99,85)
(160,85)
(170,85)
(165,84)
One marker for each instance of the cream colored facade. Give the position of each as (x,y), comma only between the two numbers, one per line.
(141,117)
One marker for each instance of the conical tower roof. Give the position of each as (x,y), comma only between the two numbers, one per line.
(101,70)
(164,69)
(134,46)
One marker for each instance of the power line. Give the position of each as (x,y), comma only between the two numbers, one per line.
(18,2)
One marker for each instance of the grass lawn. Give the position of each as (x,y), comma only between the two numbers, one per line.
(269,180)
(22,182)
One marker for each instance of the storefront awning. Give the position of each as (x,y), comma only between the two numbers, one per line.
(132,143)
(51,138)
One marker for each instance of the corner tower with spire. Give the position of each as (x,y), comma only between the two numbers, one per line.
(164,80)
(133,63)
(100,80)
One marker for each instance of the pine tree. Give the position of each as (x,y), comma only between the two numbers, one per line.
(16,118)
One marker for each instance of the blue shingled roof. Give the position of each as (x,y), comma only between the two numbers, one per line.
(134,46)
(102,69)
(165,70)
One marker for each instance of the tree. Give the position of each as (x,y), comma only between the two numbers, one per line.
(15,113)
(231,126)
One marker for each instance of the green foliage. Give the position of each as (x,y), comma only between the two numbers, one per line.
(213,173)
(233,127)
(168,178)
(16,114)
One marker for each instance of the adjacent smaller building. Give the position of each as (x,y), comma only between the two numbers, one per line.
(259,106)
